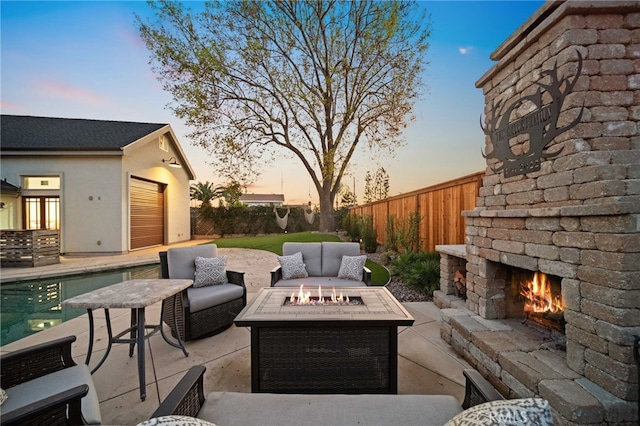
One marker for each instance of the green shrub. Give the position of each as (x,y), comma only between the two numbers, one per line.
(369,235)
(419,270)
(354,228)
(387,256)
(391,235)
(409,234)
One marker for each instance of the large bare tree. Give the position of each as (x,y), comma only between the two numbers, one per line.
(314,79)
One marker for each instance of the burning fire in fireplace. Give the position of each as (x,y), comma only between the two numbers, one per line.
(305,298)
(538,295)
(541,303)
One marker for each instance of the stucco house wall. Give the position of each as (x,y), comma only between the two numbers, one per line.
(95,190)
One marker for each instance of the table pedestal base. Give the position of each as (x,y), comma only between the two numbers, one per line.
(324,359)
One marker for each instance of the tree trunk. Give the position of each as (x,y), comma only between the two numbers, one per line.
(327,217)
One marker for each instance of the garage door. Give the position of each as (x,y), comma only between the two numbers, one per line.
(147,213)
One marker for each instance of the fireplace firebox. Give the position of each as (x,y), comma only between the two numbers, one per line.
(535,297)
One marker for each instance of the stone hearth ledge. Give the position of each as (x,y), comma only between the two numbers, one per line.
(510,355)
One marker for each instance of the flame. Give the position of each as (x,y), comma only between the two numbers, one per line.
(304,298)
(538,295)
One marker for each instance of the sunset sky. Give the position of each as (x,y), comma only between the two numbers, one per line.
(85,59)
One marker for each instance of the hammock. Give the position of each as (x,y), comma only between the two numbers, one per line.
(282,221)
(309,216)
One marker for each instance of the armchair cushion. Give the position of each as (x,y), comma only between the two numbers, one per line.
(34,390)
(210,271)
(292,266)
(205,297)
(351,267)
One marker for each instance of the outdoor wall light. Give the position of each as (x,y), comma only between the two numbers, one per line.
(172,162)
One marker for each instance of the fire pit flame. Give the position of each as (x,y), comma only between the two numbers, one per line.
(538,295)
(304,298)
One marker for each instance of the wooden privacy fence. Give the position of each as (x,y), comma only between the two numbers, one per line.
(440,208)
(29,248)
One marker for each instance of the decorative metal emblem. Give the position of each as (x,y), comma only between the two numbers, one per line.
(541,125)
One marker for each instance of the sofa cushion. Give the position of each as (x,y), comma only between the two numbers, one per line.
(352,267)
(292,266)
(311,255)
(210,271)
(48,385)
(332,253)
(247,409)
(529,411)
(205,297)
(312,283)
(181,261)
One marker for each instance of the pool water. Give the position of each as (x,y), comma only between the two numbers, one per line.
(28,307)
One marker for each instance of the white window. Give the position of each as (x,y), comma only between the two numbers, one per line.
(163,143)
(41,182)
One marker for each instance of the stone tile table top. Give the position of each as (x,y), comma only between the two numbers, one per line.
(378,305)
(128,294)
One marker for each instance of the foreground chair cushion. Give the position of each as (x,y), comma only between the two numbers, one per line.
(524,411)
(246,409)
(42,387)
(175,421)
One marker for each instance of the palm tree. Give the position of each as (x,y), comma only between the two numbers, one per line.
(205,193)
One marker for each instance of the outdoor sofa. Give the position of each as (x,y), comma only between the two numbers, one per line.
(322,264)
(187,399)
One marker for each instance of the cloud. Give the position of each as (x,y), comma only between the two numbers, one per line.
(9,105)
(62,90)
(465,49)
(132,38)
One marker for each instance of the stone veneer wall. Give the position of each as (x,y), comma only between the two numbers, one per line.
(579,216)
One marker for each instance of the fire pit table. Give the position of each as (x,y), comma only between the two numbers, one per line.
(324,348)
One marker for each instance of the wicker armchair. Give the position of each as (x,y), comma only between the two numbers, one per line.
(45,386)
(197,319)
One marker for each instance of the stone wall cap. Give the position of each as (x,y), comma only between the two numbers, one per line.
(625,207)
(457,250)
(546,16)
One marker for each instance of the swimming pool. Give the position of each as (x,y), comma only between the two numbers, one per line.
(28,307)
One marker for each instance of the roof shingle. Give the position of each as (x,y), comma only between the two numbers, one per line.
(20,132)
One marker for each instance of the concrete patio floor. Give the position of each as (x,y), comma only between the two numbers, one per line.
(426,364)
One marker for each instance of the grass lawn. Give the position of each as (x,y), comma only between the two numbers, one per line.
(273,243)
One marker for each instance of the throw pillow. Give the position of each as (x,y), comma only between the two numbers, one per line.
(351,267)
(293,266)
(3,396)
(175,421)
(506,412)
(210,271)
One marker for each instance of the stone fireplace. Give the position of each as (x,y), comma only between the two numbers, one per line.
(572,212)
